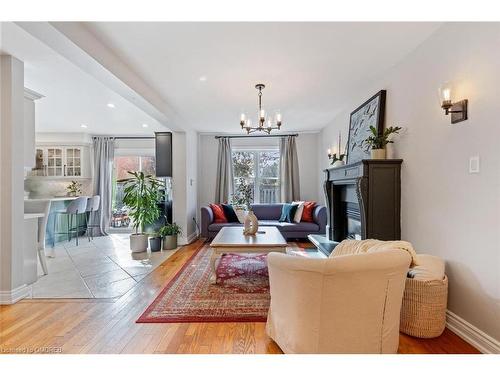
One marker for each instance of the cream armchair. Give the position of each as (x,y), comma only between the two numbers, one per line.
(345,304)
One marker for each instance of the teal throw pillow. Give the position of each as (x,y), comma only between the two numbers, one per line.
(288,212)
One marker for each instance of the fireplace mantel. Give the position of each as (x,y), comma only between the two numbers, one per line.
(363,201)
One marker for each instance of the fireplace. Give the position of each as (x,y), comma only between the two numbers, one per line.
(363,201)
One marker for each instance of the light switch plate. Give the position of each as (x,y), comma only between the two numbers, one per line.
(474,164)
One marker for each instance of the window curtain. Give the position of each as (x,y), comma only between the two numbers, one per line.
(289,170)
(104,152)
(224,179)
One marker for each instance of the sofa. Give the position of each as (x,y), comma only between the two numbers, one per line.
(268,215)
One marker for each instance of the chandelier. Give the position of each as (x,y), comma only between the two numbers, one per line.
(265,123)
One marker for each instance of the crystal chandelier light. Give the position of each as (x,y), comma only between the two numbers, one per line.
(265,123)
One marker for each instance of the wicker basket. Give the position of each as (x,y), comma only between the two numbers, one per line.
(423,312)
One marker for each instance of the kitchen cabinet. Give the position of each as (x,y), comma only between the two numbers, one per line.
(62,161)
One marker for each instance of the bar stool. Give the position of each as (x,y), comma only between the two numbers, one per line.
(75,208)
(92,207)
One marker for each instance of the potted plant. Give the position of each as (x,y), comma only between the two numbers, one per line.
(141,197)
(155,241)
(377,142)
(169,232)
(74,189)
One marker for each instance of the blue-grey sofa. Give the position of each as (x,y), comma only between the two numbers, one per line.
(268,215)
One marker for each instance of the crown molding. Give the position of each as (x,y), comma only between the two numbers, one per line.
(32,95)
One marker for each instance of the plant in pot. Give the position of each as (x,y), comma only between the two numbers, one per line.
(155,241)
(377,142)
(74,189)
(141,197)
(169,232)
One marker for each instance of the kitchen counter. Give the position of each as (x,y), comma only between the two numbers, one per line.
(50,229)
(53,199)
(33,216)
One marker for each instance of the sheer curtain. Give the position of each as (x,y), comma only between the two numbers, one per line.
(289,170)
(104,151)
(224,179)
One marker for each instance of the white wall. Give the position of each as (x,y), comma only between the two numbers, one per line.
(445,210)
(306,152)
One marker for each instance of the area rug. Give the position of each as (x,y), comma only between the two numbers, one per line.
(240,295)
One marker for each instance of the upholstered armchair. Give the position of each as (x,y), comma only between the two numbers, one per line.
(344,304)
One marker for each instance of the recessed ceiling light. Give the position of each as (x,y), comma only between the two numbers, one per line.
(203,78)
(111,105)
(83,126)
(145,125)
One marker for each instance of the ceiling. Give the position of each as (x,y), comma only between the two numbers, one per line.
(308,68)
(71,96)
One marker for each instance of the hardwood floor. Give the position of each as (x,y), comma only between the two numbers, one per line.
(108,326)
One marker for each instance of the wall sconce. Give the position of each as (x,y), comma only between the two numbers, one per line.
(458,110)
(336,159)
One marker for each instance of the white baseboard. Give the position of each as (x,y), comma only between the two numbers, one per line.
(12,296)
(473,335)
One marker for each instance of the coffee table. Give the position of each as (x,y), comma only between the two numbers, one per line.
(232,240)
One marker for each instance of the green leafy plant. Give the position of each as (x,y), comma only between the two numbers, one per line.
(170,230)
(74,188)
(378,141)
(154,234)
(141,194)
(243,195)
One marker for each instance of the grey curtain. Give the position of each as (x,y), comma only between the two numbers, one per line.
(224,179)
(289,170)
(104,151)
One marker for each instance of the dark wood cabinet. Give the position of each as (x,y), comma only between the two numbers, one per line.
(364,200)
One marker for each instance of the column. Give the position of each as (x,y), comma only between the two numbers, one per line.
(12,286)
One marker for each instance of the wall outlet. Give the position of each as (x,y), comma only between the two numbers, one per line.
(474,164)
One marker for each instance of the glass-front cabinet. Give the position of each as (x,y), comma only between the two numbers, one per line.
(55,161)
(73,162)
(54,158)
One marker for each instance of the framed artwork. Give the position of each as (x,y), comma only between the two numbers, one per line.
(370,113)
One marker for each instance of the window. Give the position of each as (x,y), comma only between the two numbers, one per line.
(121,165)
(256,175)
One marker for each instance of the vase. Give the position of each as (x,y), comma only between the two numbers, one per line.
(378,153)
(155,244)
(138,242)
(251,224)
(170,242)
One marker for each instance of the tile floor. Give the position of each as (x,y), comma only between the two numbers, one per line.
(102,268)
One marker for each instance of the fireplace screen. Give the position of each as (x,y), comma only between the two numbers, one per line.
(353,225)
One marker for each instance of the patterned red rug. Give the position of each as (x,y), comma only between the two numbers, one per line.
(240,295)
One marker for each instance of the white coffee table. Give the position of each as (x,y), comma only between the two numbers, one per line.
(232,240)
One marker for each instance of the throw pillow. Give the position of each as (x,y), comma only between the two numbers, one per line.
(219,216)
(307,213)
(229,213)
(298,212)
(288,212)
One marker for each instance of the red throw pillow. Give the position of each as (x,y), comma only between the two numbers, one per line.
(219,216)
(307,214)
